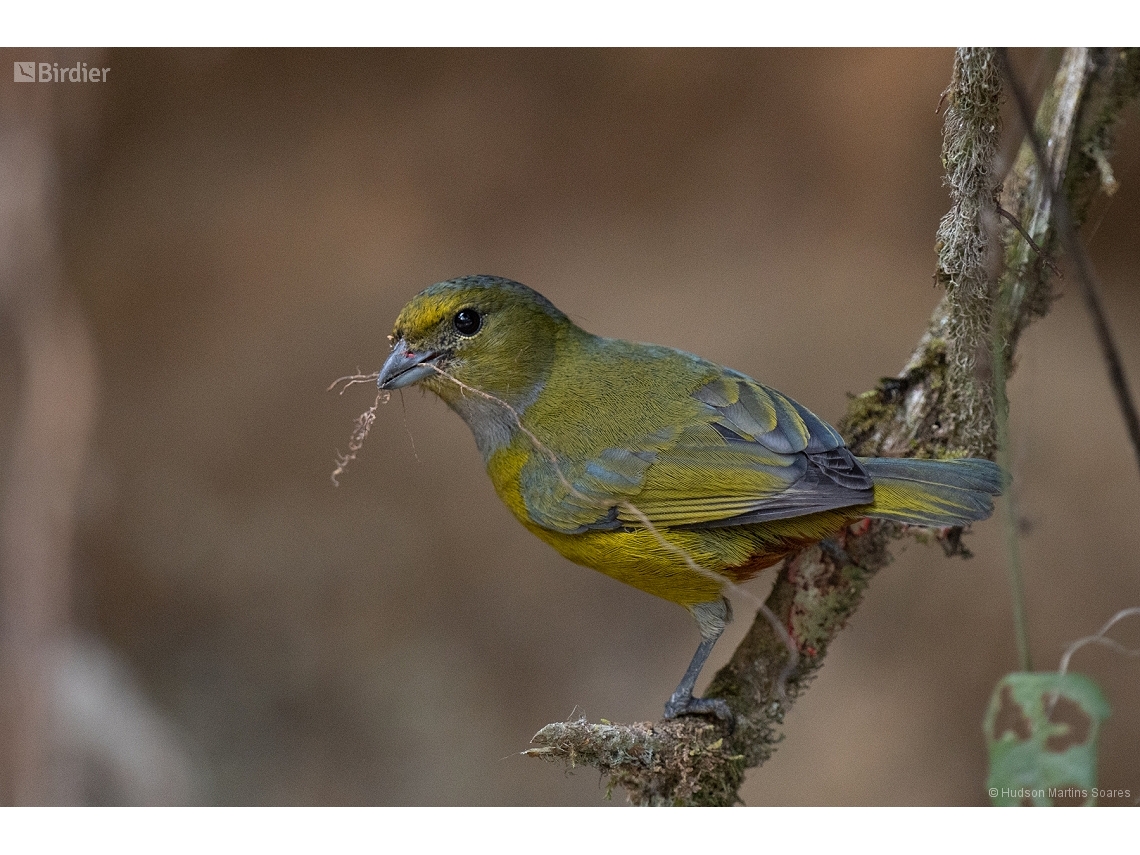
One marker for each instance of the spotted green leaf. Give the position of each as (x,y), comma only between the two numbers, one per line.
(1041,730)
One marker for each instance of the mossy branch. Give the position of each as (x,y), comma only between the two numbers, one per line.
(937,406)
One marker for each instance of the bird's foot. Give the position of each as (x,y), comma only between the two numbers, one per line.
(688,705)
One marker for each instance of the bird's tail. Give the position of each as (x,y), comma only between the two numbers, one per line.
(935,493)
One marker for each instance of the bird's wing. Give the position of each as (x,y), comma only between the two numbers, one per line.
(746,454)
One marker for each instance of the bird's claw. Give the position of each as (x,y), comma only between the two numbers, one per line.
(675,707)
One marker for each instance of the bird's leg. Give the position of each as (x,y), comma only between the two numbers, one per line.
(711,617)
(682,701)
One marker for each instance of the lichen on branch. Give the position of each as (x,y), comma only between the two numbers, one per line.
(968,243)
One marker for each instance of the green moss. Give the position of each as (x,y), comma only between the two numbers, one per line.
(818,613)
(865,413)
(879,414)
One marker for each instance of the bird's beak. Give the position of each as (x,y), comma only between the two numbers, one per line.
(404,367)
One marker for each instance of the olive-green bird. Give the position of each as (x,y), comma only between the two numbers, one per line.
(663,470)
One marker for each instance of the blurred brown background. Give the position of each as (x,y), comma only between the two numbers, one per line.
(229,231)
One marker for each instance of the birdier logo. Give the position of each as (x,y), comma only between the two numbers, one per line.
(50,72)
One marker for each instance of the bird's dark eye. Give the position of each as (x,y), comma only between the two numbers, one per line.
(468,321)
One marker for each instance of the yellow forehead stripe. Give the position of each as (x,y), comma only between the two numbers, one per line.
(426,311)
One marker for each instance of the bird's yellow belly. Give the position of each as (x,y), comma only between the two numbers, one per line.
(684,566)
(638,558)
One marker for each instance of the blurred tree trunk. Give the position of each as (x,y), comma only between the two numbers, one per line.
(74,726)
(54,415)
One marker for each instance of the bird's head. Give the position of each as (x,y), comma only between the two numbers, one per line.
(489,334)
